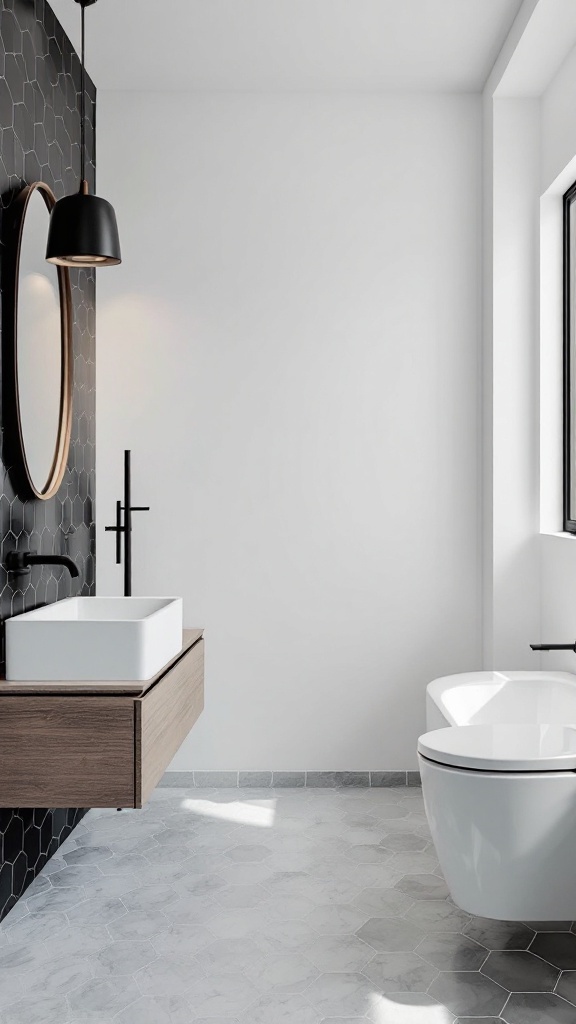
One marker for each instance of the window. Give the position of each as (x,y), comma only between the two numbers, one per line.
(570,359)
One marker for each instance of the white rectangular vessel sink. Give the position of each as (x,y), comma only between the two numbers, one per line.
(94,639)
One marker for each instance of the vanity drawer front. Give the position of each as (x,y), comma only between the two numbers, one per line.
(163,718)
(66,751)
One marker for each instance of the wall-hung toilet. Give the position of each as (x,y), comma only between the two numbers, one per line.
(500,796)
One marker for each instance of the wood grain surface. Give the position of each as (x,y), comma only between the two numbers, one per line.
(163,718)
(72,749)
(66,752)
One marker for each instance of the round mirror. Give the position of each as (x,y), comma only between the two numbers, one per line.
(42,347)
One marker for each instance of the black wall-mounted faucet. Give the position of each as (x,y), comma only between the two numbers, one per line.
(21,562)
(123,525)
(554,647)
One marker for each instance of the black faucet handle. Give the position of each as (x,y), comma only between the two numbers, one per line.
(118,530)
(21,562)
(17,561)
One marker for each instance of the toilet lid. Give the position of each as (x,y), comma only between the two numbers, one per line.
(503,748)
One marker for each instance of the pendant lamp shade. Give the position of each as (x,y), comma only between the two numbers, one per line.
(83,232)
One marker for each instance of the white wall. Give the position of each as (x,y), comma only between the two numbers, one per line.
(511,521)
(558,122)
(291,349)
(531,128)
(558,171)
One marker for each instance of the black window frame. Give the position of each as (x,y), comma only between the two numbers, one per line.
(569,356)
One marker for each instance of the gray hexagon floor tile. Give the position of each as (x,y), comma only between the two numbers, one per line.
(96,911)
(88,855)
(566,986)
(392,811)
(400,842)
(221,996)
(105,996)
(165,976)
(336,919)
(76,874)
(58,977)
(499,934)
(224,956)
(338,953)
(437,916)
(181,941)
(288,908)
(235,873)
(423,886)
(56,899)
(186,910)
(123,957)
(390,934)
(110,886)
(287,937)
(550,926)
(34,927)
(139,924)
(558,948)
(215,1020)
(382,902)
(520,971)
(363,836)
(368,854)
(156,1010)
(78,941)
(243,854)
(468,992)
(479,1020)
(416,863)
(19,959)
(237,896)
(343,1020)
(34,1011)
(145,918)
(280,1008)
(287,972)
(450,951)
(538,1008)
(235,924)
(331,889)
(341,993)
(400,972)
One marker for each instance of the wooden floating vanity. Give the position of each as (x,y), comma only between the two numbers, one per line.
(91,744)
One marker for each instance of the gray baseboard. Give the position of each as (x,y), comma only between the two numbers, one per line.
(287,780)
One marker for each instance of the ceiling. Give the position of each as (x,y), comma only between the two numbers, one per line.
(291,45)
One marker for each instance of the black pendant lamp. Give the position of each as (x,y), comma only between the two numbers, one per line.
(83,230)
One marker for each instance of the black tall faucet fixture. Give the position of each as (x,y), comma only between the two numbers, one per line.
(554,647)
(123,525)
(21,562)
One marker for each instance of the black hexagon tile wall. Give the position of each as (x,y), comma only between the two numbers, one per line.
(40,140)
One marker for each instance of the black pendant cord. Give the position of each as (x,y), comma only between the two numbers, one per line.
(83,231)
(83,102)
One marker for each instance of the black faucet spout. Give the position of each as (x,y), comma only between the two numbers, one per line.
(22,561)
(554,647)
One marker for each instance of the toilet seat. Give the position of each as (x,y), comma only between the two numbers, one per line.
(502,748)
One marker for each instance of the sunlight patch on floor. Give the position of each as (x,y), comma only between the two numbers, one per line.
(240,812)
(407,1008)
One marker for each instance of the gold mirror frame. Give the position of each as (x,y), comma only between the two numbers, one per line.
(62,446)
